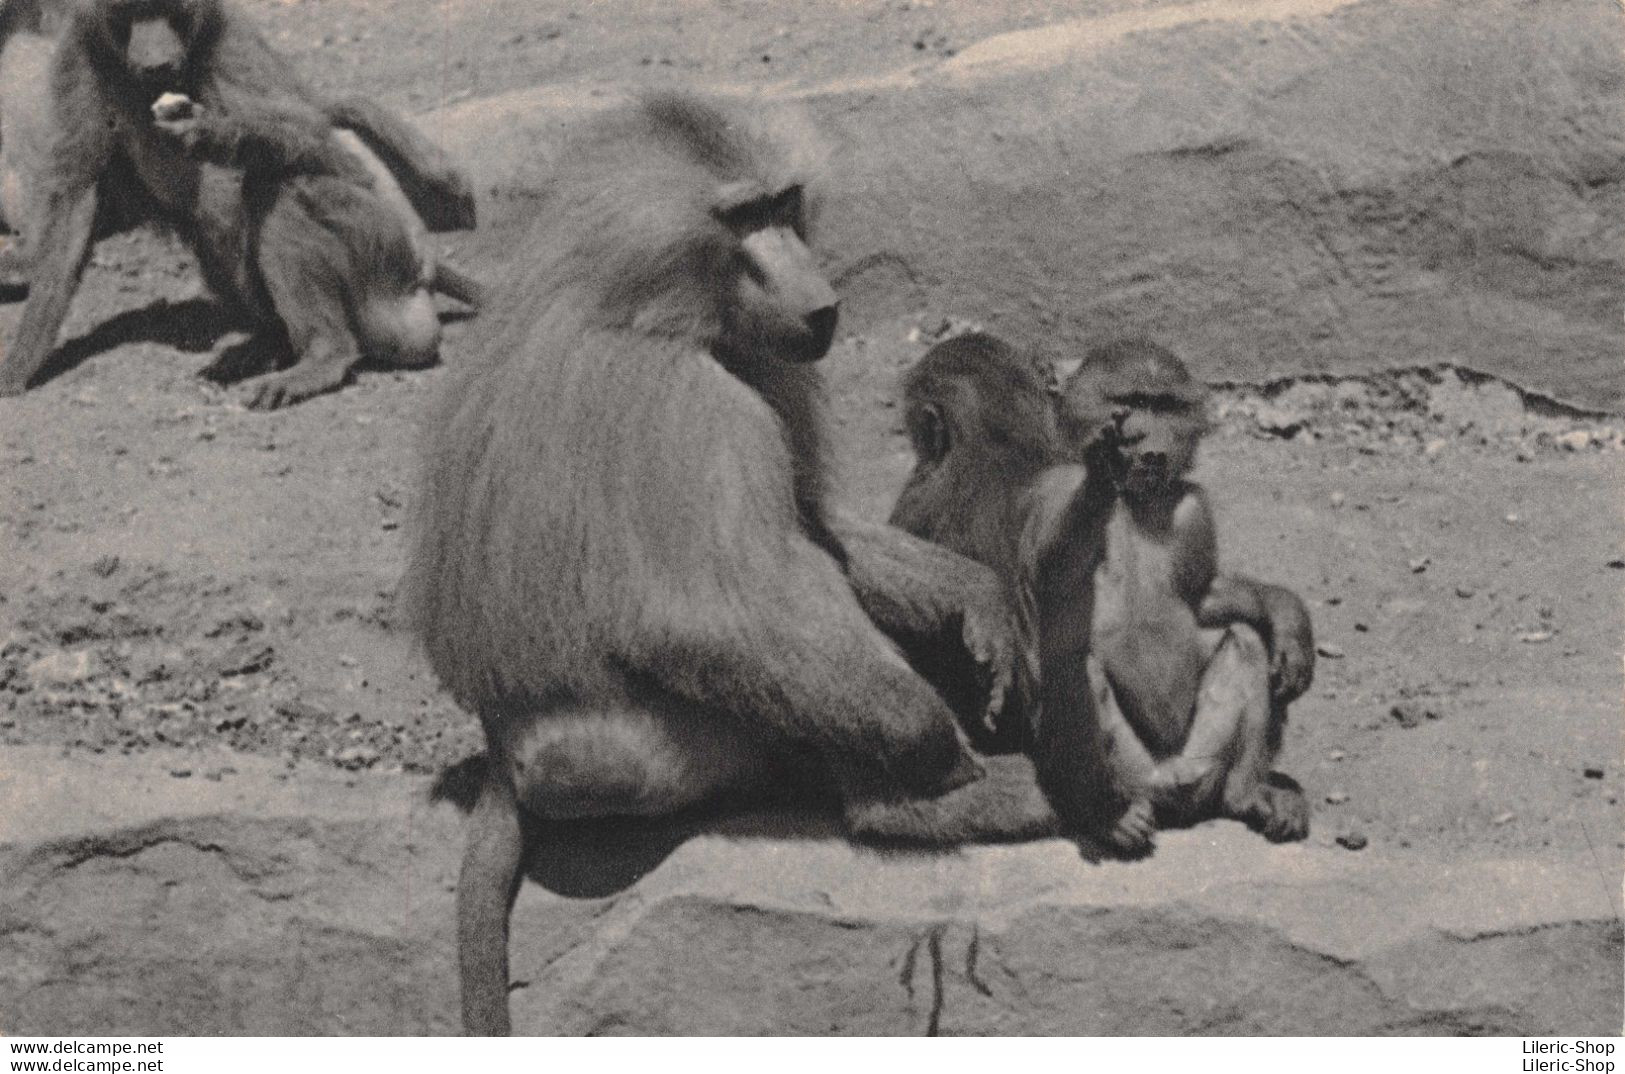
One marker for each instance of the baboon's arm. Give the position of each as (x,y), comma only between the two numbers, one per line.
(913,587)
(1073,716)
(438,190)
(1281,619)
(271,139)
(785,644)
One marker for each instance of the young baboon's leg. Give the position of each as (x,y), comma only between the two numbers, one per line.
(1234,723)
(485,893)
(306,273)
(1133,771)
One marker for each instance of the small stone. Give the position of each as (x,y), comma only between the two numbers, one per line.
(1335,755)
(1578,440)
(1338,499)
(245,660)
(1361,628)
(1337,797)
(181,773)
(62,668)
(1512,520)
(1617,563)
(105,566)
(1329,651)
(1278,421)
(1593,772)
(1503,818)
(1433,447)
(1464,592)
(1536,637)
(1419,564)
(354,757)
(1352,840)
(1412,713)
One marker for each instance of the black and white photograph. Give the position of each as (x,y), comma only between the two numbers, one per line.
(812,518)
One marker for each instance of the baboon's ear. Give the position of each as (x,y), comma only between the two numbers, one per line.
(928,429)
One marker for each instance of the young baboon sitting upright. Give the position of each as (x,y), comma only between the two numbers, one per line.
(1000,476)
(1168,628)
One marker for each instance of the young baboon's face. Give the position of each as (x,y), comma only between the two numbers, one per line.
(781,305)
(1152,430)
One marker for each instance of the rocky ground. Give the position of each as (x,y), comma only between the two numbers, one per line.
(197,596)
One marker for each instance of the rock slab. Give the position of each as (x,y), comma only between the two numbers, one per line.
(136,902)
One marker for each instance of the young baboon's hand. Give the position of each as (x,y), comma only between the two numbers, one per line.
(1292,645)
(1103,449)
(989,637)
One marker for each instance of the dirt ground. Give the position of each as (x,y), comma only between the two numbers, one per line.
(181,573)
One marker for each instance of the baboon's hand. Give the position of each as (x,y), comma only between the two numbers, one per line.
(1104,449)
(177,115)
(1292,645)
(989,637)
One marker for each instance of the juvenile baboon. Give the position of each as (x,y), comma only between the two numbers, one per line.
(624,561)
(294,219)
(998,479)
(1170,630)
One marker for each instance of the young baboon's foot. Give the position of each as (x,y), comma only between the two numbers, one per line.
(1277,810)
(1286,814)
(1132,833)
(291,386)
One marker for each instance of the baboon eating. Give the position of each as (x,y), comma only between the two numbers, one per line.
(624,560)
(1001,478)
(299,222)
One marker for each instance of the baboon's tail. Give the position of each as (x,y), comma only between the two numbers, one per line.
(453,281)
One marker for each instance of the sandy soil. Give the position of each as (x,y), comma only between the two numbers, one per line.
(181,573)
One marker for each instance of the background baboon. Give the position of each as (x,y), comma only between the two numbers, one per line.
(998,480)
(624,561)
(299,223)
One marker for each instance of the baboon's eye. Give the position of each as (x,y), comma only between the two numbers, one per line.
(785,209)
(739,206)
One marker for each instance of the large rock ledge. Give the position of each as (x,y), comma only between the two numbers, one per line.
(1275,186)
(134,901)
